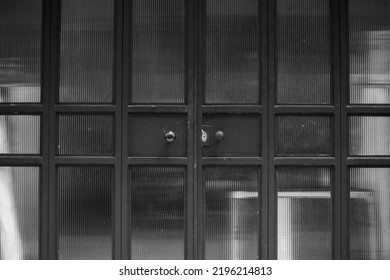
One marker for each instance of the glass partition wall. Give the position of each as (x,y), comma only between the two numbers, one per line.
(183,129)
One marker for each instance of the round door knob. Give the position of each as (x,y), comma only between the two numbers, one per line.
(219,135)
(170,136)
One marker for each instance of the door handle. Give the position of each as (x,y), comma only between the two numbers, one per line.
(170,136)
(219,135)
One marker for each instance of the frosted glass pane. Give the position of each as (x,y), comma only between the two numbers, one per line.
(304,135)
(369,213)
(86,134)
(232,51)
(20,51)
(86,61)
(369,135)
(304,212)
(19,212)
(232,206)
(303,52)
(157,212)
(158,55)
(85,212)
(369,51)
(20,134)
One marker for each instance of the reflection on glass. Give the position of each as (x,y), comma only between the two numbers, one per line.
(232,203)
(19,212)
(20,134)
(86,62)
(369,135)
(20,51)
(158,55)
(369,46)
(369,213)
(84,212)
(86,134)
(303,34)
(157,212)
(304,212)
(232,66)
(304,135)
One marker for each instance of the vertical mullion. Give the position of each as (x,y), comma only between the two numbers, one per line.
(191,130)
(344,87)
(335,78)
(117,90)
(263,78)
(272,70)
(126,92)
(44,174)
(53,92)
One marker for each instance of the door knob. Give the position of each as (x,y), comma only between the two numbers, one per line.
(219,135)
(170,136)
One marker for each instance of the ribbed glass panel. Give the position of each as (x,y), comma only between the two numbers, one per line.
(158,54)
(86,134)
(369,213)
(20,134)
(369,135)
(303,52)
(232,51)
(86,60)
(19,212)
(20,51)
(232,207)
(369,51)
(304,135)
(304,212)
(157,212)
(84,212)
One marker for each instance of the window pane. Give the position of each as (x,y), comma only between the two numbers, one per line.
(304,135)
(369,135)
(369,213)
(19,212)
(84,212)
(232,66)
(20,51)
(20,134)
(86,65)
(86,134)
(369,43)
(158,55)
(157,210)
(232,207)
(303,52)
(304,212)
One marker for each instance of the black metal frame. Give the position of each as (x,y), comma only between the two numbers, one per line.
(194,108)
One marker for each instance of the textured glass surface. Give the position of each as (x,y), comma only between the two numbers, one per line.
(232,205)
(369,135)
(20,134)
(304,135)
(303,52)
(304,212)
(20,51)
(369,56)
(86,61)
(158,54)
(19,212)
(86,134)
(157,212)
(232,47)
(369,214)
(85,212)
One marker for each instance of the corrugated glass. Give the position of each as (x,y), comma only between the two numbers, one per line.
(85,212)
(158,54)
(157,212)
(232,208)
